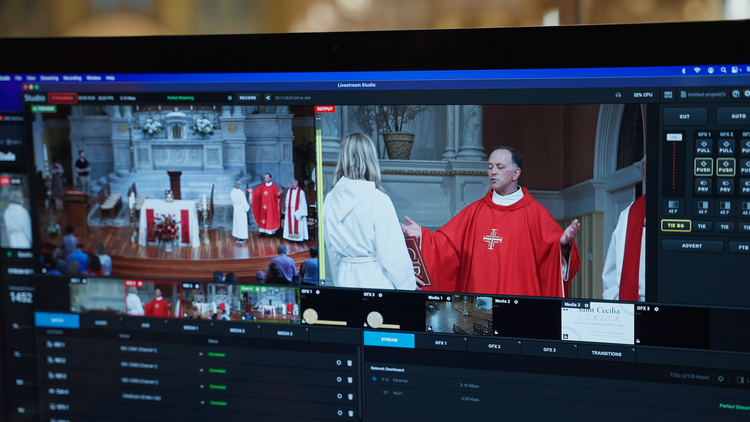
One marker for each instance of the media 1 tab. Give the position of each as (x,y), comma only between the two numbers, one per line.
(704,167)
(154,325)
(191,326)
(438,342)
(745,147)
(745,167)
(725,208)
(726,147)
(704,147)
(703,186)
(725,187)
(490,345)
(703,207)
(101,322)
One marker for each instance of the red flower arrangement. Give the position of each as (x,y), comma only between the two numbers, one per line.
(165,228)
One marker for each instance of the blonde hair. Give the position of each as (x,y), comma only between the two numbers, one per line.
(16,197)
(358,160)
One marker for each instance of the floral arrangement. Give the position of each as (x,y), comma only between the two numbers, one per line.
(151,126)
(203,126)
(165,228)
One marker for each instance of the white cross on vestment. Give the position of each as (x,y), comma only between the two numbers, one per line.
(492,239)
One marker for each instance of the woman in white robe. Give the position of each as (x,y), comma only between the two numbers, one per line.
(364,244)
(241,207)
(299,214)
(17,222)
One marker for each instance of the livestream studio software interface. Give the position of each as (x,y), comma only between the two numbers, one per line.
(198,247)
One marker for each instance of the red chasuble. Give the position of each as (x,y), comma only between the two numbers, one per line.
(494,249)
(157,308)
(266,209)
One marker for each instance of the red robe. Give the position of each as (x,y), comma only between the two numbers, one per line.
(266,206)
(494,249)
(157,308)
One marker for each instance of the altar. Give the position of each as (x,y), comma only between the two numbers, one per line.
(184,213)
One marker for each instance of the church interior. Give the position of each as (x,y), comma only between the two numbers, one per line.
(270,304)
(580,161)
(143,151)
(462,314)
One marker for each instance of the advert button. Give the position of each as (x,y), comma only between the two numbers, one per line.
(62,98)
(325,109)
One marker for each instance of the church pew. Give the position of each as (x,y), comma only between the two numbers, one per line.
(111,202)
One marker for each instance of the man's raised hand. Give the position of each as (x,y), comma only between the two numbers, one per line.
(412,230)
(570,233)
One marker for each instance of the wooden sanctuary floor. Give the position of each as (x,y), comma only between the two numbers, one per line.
(450,313)
(184,263)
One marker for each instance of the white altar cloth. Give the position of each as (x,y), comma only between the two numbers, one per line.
(159,207)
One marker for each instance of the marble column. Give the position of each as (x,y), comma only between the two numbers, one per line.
(284,109)
(470,142)
(251,110)
(237,111)
(226,111)
(330,127)
(116,111)
(451,131)
(127,111)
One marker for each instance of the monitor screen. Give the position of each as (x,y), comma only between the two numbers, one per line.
(332,236)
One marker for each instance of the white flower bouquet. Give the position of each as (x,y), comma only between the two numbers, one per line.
(203,126)
(151,126)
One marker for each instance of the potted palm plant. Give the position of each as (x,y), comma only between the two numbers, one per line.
(389,121)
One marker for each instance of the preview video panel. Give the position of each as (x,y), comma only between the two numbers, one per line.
(174,192)
(15,225)
(484,199)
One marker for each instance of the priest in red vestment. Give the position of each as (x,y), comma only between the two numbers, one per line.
(505,243)
(158,306)
(266,206)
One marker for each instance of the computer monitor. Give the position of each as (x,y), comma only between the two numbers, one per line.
(378,226)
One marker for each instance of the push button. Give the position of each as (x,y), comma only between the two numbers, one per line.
(725,167)
(703,186)
(725,187)
(726,147)
(744,227)
(726,227)
(684,226)
(704,167)
(704,147)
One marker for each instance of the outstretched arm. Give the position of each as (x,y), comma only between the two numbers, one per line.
(412,230)
(567,238)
